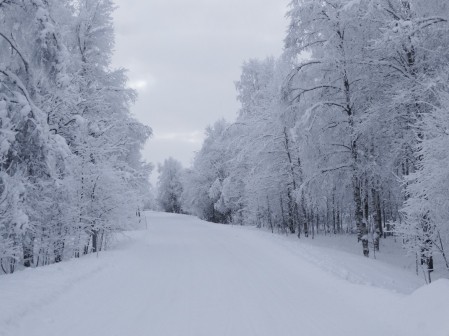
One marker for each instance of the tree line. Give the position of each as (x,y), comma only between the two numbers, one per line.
(70,166)
(346,131)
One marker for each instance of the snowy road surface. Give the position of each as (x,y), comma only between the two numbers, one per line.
(184,277)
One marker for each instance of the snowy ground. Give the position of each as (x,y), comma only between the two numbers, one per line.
(184,277)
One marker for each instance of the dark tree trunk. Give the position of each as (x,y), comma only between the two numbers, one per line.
(269,218)
(59,249)
(365,240)
(28,247)
(94,241)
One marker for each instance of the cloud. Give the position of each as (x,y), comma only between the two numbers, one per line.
(195,137)
(142,83)
(138,85)
(183,57)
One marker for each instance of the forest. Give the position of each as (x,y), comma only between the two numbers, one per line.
(347,132)
(71,172)
(321,208)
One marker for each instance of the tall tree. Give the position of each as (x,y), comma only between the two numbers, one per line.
(70,149)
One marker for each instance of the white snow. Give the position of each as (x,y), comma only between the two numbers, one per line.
(185,277)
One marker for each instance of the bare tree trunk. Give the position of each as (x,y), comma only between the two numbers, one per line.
(358,213)
(284,224)
(377,218)
(334,223)
(306,223)
(269,218)
(28,247)
(59,249)
(292,206)
(94,241)
(365,241)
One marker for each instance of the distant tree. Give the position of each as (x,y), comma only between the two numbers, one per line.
(170,186)
(203,183)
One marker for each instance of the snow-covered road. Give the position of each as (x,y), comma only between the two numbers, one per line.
(184,277)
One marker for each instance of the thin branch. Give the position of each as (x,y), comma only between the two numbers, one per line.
(25,63)
(341,145)
(316,88)
(16,80)
(386,64)
(327,170)
(297,70)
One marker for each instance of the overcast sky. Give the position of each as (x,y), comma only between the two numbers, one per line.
(184,56)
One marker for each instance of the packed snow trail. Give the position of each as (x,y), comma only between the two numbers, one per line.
(185,277)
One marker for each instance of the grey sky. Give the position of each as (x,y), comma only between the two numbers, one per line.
(184,56)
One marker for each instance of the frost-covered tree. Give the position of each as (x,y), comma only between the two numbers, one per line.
(411,56)
(341,132)
(326,86)
(32,70)
(170,186)
(425,226)
(203,183)
(70,149)
(264,124)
